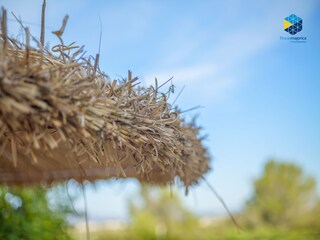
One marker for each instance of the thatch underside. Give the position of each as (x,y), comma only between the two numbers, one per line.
(62,118)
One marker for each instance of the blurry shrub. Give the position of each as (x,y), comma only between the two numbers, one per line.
(284,197)
(160,215)
(26,214)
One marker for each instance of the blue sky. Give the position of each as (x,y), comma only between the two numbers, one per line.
(260,94)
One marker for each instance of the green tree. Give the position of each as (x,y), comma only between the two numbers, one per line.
(282,196)
(160,215)
(26,214)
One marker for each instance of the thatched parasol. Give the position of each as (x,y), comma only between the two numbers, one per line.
(62,118)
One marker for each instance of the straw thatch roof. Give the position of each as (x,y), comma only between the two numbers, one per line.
(62,118)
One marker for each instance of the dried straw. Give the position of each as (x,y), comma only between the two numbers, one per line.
(61,117)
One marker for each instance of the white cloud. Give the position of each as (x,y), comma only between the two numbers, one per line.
(203,84)
(213,67)
(184,75)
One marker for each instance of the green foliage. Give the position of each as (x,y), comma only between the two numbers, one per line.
(160,215)
(281,196)
(284,205)
(26,214)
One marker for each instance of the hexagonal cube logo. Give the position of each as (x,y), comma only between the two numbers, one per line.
(292,24)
